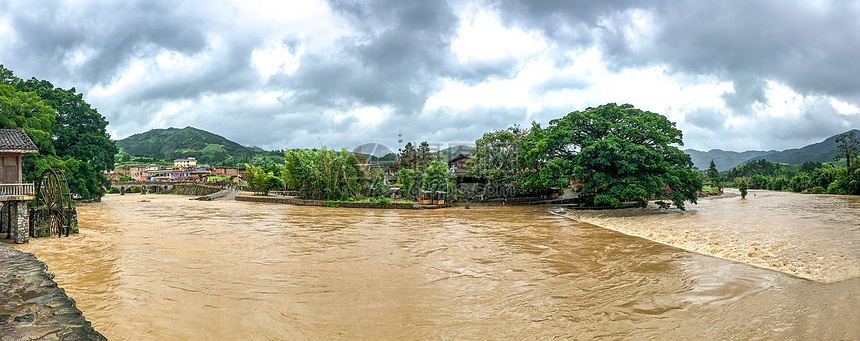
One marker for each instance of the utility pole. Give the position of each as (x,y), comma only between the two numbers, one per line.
(399,141)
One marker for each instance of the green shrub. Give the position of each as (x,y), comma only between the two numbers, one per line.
(381,201)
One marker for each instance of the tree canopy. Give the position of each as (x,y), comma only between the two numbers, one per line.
(847,148)
(70,134)
(261,180)
(714,174)
(323,174)
(417,158)
(495,157)
(621,154)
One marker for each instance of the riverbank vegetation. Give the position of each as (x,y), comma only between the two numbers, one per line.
(332,176)
(617,153)
(70,134)
(809,177)
(322,174)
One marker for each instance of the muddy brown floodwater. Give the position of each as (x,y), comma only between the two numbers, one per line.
(807,235)
(160,267)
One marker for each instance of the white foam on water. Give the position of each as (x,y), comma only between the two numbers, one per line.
(816,237)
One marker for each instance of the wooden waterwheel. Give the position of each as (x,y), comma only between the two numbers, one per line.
(52,192)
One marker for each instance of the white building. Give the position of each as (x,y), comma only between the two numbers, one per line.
(182,163)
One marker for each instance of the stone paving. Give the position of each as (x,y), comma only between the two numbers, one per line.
(32,307)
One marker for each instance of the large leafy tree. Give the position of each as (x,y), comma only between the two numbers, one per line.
(621,153)
(410,180)
(495,157)
(417,158)
(437,177)
(79,130)
(70,134)
(377,186)
(323,174)
(261,180)
(847,148)
(26,111)
(714,174)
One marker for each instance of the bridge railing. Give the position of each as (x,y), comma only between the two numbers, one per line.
(17,189)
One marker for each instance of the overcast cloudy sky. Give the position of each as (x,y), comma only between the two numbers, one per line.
(734,75)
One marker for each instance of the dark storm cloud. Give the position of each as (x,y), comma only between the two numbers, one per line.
(398,57)
(818,121)
(707,118)
(747,92)
(810,47)
(813,50)
(51,32)
(397,54)
(445,127)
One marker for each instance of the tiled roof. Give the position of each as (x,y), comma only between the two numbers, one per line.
(14,139)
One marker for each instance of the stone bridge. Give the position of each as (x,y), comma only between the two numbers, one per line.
(144,186)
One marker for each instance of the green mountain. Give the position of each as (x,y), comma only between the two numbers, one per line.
(452,151)
(174,143)
(724,160)
(823,151)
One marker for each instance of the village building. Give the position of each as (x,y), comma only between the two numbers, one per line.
(111,176)
(14,214)
(187,162)
(159,174)
(457,164)
(230,172)
(134,171)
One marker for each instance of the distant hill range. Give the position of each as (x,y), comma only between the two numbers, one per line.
(823,151)
(724,160)
(452,151)
(172,143)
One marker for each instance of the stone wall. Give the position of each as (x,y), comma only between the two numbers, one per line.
(17,214)
(194,189)
(32,307)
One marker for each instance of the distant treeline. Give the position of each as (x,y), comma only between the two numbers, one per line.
(810,177)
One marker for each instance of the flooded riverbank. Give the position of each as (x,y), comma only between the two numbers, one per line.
(161,267)
(32,307)
(810,236)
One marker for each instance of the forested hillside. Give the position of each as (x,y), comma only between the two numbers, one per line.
(823,151)
(723,159)
(173,143)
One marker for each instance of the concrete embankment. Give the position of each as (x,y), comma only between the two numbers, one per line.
(32,307)
(194,189)
(224,194)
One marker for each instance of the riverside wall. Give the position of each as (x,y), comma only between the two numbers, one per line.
(194,189)
(32,306)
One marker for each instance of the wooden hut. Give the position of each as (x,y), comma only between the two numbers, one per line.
(432,197)
(439,197)
(425,197)
(14,215)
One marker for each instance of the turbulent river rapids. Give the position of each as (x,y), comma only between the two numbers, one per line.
(162,267)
